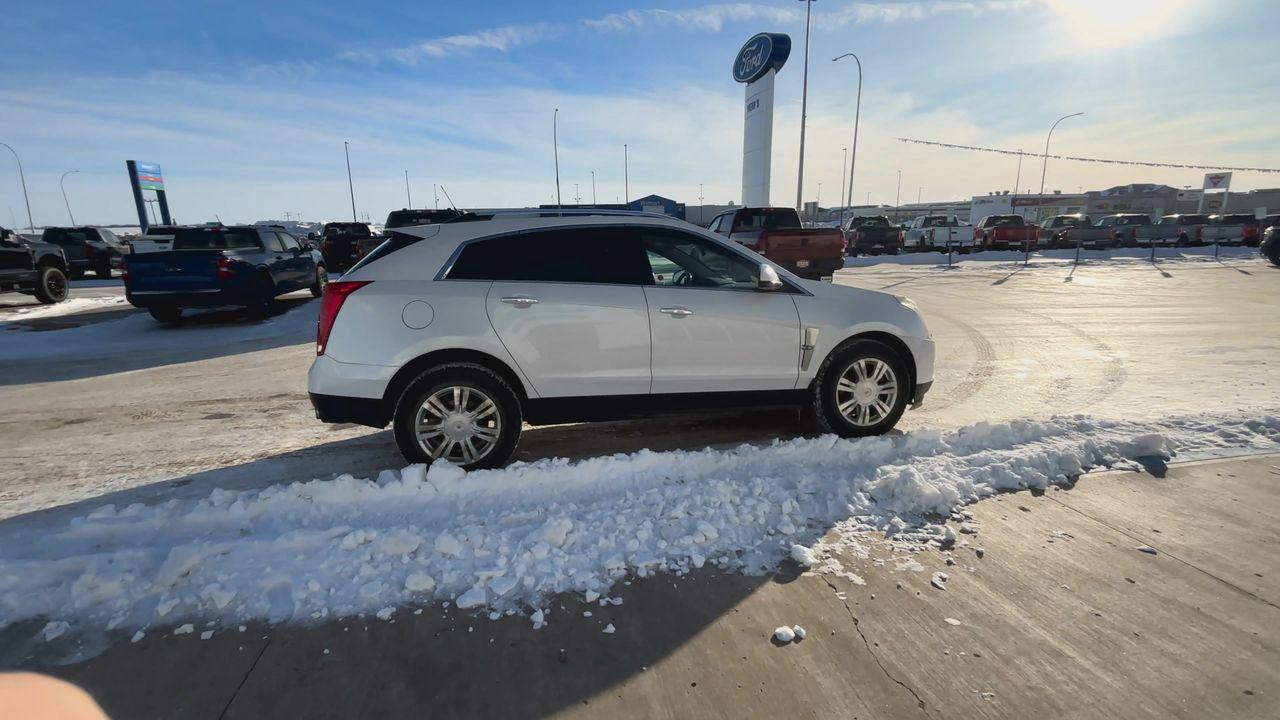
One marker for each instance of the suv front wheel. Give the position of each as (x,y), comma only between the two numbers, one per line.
(861,389)
(461,412)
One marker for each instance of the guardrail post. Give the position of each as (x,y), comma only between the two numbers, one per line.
(948,252)
(1215,249)
(1026,251)
(1153,251)
(1077,251)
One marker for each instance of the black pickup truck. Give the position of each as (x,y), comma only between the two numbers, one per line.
(343,244)
(32,267)
(88,248)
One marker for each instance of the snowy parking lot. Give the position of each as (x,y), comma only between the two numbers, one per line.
(174,477)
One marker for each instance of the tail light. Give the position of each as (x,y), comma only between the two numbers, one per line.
(359,251)
(902,236)
(89,250)
(327,245)
(335,294)
(225,268)
(124,272)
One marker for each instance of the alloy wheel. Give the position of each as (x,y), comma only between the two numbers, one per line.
(458,423)
(867,392)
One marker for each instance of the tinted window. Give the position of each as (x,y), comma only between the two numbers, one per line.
(272,242)
(767,219)
(406,218)
(579,255)
(65,237)
(682,259)
(214,238)
(289,242)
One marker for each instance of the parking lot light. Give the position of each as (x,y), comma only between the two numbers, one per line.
(62,184)
(31,226)
(1045,168)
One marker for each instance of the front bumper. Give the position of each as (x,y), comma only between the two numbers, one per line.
(188,299)
(815,268)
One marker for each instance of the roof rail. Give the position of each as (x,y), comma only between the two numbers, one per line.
(478,215)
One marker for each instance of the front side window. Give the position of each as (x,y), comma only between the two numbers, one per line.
(677,258)
(290,244)
(273,242)
(608,255)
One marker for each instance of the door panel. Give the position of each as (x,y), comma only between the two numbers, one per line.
(576,339)
(707,340)
(15,260)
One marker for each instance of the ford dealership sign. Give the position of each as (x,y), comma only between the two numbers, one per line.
(763,52)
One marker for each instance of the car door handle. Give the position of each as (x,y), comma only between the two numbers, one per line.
(520,302)
(676,312)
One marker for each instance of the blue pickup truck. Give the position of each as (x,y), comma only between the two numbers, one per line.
(215,266)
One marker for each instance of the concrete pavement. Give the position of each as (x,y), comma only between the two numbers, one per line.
(1061,617)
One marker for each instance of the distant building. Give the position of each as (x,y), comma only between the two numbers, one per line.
(648,203)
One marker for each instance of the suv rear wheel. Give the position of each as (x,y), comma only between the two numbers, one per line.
(861,389)
(461,412)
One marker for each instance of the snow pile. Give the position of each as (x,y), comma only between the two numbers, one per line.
(66,307)
(507,539)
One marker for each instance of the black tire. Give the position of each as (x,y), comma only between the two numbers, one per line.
(824,407)
(166,314)
(265,303)
(321,281)
(467,375)
(52,286)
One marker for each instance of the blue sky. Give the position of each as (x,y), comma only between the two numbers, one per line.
(246,105)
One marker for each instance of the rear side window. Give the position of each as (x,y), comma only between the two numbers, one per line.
(578,255)
(214,239)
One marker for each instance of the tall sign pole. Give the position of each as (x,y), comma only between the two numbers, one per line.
(756,66)
(804,105)
(350,185)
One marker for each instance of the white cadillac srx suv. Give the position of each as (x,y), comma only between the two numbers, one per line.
(458,333)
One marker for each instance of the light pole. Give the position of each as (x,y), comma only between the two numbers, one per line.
(407,196)
(701,206)
(62,184)
(31,226)
(843,157)
(555,145)
(626,176)
(1017,180)
(804,104)
(1045,169)
(897,199)
(577,199)
(819,195)
(350,185)
(919,190)
(857,112)
(593,188)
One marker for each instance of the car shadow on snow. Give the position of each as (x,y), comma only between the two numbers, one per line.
(192,339)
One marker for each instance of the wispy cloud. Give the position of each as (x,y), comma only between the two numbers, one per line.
(501,39)
(708,18)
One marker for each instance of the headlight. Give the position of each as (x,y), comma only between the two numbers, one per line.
(907,303)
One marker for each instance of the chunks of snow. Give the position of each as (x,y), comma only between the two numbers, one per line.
(608,629)
(784,634)
(185,629)
(939,580)
(951,621)
(206,634)
(509,538)
(419,583)
(386,613)
(55,629)
(472,598)
(137,636)
(1147,549)
(799,632)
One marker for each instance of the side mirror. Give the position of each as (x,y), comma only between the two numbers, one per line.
(769,279)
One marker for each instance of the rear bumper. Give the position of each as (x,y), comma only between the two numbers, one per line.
(213,297)
(359,411)
(815,269)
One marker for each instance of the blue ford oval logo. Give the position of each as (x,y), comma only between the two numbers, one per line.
(763,52)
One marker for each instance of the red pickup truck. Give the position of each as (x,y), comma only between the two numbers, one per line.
(777,234)
(1005,232)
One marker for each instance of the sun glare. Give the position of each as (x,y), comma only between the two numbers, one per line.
(1098,24)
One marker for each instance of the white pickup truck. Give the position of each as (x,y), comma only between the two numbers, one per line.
(936,232)
(1231,229)
(1172,230)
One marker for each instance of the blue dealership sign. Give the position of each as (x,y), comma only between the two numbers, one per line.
(760,54)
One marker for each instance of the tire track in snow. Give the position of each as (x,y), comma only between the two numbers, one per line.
(1115,373)
(983,367)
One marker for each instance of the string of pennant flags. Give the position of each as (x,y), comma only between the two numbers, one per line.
(1184,166)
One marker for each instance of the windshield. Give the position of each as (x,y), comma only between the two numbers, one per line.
(1194,220)
(932,222)
(214,239)
(1004,221)
(767,219)
(358,229)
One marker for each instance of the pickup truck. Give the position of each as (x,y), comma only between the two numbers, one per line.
(242,265)
(1178,230)
(87,248)
(1233,229)
(932,232)
(32,267)
(1054,230)
(1123,227)
(873,235)
(1004,232)
(776,233)
(343,244)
